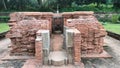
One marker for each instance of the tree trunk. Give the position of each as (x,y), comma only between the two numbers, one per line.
(4,5)
(98,3)
(39,2)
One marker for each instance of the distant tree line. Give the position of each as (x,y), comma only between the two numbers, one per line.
(50,4)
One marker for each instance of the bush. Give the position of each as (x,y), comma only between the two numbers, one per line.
(103,23)
(116,5)
(114,19)
(4,18)
(119,18)
(104,17)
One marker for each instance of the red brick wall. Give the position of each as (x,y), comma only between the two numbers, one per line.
(18,16)
(38,51)
(23,36)
(91,36)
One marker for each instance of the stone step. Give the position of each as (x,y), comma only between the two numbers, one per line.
(57,58)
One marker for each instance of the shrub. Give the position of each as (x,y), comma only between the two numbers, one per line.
(114,19)
(119,18)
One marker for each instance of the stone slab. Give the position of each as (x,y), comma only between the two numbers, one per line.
(58,58)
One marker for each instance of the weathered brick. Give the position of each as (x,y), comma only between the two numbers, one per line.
(91,31)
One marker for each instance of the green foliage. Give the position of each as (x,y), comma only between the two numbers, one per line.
(106,18)
(4,16)
(89,7)
(63,5)
(114,19)
(116,4)
(103,23)
(119,18)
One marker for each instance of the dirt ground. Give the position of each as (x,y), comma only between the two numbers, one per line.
(112,47)
(4,43)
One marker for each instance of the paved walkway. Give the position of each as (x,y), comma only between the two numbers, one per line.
(57,42)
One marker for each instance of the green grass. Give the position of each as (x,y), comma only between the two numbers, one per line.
(3,27)
(113,28)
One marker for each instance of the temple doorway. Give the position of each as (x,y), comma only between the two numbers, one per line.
(57,24)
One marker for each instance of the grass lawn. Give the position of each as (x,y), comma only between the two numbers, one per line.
(3,27)
(113,28)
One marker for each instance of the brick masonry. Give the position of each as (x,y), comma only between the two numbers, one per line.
(19,16)
(38,50)
(77,46)
(23,36)
(91,31)
(24,25)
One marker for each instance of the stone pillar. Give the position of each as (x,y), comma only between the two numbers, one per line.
(69,39)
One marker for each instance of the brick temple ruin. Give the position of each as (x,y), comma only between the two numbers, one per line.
(56,38)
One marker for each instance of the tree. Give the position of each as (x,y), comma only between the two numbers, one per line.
(39,2)
(116,3)
(18,4)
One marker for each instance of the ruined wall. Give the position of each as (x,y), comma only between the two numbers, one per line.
(92,33)
(23,36)
(74,15)
(18,16)
(23,27)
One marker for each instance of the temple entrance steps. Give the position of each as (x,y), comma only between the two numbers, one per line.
(58,55)
(57,58)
